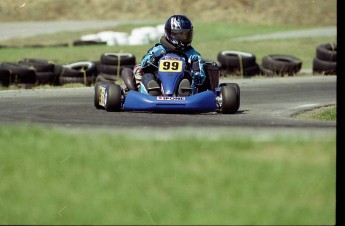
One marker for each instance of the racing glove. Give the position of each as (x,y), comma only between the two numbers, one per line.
(198,78)
(138,72)
(156,56)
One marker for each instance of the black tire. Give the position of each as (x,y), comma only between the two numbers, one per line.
(229,100)
(100,78)
(5,78)
(45,78)
(106,77)
(21,74)
(238,92)
(232,60)
(128,78)
(97,94)
(97,64)
(112,69)
(38,66)
(267,72)
(327,52)
(58,69)
(79,72)
(58,45)
(324,67)
(117,59)
(57,73)
(251,71)
(113,97)
(282,64)
(245,72)
(79,69)
(87,43)
(70,72)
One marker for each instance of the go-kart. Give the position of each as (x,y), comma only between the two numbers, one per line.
(171,68)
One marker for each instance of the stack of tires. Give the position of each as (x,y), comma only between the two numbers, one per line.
(83,72)
(44,69)
(5,77)
(111,64)
(17,74)
(280,64)
(325,61)
(244,64)
(238,63)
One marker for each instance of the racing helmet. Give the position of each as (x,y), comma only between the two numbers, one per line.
(179,31)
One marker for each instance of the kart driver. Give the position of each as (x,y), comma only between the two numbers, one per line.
(178,35)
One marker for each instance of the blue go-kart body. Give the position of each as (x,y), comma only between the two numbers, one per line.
(171,69)
(199,102)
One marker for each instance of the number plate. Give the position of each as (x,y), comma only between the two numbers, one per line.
(102,96)
(170,65)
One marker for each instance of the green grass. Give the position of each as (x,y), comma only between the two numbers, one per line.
(55,176)
(328,113)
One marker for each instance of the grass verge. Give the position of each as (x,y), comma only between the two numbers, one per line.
(327,113)
(54,176)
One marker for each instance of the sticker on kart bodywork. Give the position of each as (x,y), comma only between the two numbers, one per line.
(170,65)
(171,98)
(102,96)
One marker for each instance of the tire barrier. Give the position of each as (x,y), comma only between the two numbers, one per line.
(238,63)
(111,65)
(29,72)
(87,43)
(280,64)
(5,77)
(83,72)
(325,60)
(17,74)
(45,70)
(244,64)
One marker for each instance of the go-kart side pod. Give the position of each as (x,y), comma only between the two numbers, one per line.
(200,102)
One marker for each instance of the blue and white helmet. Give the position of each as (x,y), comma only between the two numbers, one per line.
(179,31)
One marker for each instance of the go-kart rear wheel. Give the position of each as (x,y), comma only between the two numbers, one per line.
(113,97)
(238,91)
(229,100)
(97,94)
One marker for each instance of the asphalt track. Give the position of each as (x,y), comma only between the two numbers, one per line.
(265,102)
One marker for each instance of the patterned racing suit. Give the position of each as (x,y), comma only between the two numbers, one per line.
(194,58)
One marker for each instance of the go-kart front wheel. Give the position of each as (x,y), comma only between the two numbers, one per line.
(229,104)
(113,97)
(97,94)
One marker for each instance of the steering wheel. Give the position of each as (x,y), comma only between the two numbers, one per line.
(178,52)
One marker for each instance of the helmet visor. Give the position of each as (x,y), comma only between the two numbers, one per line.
(183,35)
